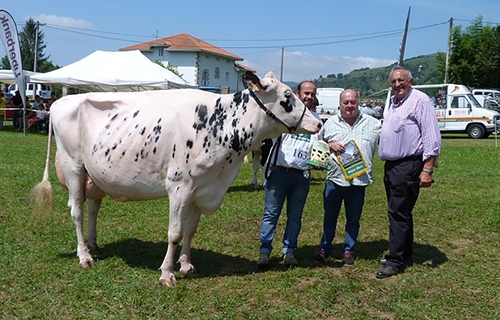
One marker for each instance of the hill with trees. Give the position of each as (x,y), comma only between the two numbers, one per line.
(370,81)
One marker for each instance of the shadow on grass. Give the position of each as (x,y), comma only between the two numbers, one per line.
(149,255)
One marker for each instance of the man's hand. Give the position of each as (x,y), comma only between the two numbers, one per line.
(425,180)
(336,146)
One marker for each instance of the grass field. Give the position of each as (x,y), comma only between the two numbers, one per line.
(456,274)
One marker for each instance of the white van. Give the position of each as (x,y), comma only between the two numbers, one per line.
(329,100)
(42,90)
(495,94)
(457,110)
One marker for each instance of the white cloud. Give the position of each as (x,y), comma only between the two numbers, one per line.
(299,66)
(64,21)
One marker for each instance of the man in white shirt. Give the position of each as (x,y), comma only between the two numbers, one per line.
(349,124)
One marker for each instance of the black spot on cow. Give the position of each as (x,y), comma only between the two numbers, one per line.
(136,156)
(202,112)
(154,150)
(142,153)
(156,139)
(234,123)
(114,146)
(107,152)
(173,152)
(136,113)
(189,144)
(187,158)
(94,149)
(235,141)
(157,129)
(159,120)
(124,119)
(123,153)
(143,130)
(137,125)
(107,126)
(237,98)
(286,105)
(114,117)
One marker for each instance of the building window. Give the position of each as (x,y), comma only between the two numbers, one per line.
(217,73)
(160,52)
(227,76)
(205,77)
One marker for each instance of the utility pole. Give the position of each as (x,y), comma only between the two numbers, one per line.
(446,72)
(38,24)
(282,57)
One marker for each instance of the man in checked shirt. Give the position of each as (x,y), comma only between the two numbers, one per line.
(410,143)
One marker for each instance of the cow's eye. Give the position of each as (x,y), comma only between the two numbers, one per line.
(288,94)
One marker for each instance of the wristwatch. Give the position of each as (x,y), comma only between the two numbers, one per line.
(428,171)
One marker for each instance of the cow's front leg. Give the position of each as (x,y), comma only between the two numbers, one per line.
(176,218)
(187,269)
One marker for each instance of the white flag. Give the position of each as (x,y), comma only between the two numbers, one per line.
(10,40)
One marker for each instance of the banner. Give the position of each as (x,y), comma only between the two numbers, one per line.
(351,161)
(10,40)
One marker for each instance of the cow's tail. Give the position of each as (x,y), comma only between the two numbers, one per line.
(42,195)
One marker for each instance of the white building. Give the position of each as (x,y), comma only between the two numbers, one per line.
(198,62)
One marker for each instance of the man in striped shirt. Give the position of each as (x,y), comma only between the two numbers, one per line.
(410,143)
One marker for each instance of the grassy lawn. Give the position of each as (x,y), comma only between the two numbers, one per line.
(456,274)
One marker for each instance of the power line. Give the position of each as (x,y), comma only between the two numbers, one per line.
(350,38)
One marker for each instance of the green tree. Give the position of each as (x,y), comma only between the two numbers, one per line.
(475,58)
(27,41)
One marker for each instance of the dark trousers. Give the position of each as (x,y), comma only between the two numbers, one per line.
(402,188)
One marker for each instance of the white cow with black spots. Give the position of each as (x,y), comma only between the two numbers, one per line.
(186,144)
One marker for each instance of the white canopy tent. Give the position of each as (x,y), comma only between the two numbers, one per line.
(6,76)
(113,71)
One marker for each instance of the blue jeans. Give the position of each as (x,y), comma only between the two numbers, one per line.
(294,187)
(354,198)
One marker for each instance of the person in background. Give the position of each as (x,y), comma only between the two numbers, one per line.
(289,179)
(30,113)
(3,103)
(349,124)
(17,103)
(50,101)
(410,143)
(38,104)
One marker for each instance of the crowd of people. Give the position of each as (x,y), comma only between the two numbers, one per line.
(36,115)
(409,142)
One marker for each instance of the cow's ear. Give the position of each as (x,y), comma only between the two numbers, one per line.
(250,80)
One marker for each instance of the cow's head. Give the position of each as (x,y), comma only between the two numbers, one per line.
(279,102)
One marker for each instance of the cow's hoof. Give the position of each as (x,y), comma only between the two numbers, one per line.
(169,281)
(94,250)
(87,263)
(189,272)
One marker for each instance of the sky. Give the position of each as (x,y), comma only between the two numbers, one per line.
(297,40)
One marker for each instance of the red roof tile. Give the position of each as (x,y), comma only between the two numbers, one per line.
(182,42)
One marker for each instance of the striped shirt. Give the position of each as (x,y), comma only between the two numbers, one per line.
(410,128)
(365,132)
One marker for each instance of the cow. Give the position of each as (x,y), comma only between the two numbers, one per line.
(186,144)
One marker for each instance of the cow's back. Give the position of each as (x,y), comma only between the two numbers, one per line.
(135,146)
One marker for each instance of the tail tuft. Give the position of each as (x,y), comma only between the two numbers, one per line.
(42,197)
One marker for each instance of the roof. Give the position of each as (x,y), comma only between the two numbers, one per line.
(244,67)
(182,42)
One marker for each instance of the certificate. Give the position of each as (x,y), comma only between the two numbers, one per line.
(351,161)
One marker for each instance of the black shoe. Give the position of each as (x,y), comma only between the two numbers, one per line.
(321,256)
(408,263)
(348,258)
(387,272)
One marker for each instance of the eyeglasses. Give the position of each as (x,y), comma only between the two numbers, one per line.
(401,81)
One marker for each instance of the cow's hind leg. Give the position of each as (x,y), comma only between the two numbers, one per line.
(93,210)
(187,269)
(75,183)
